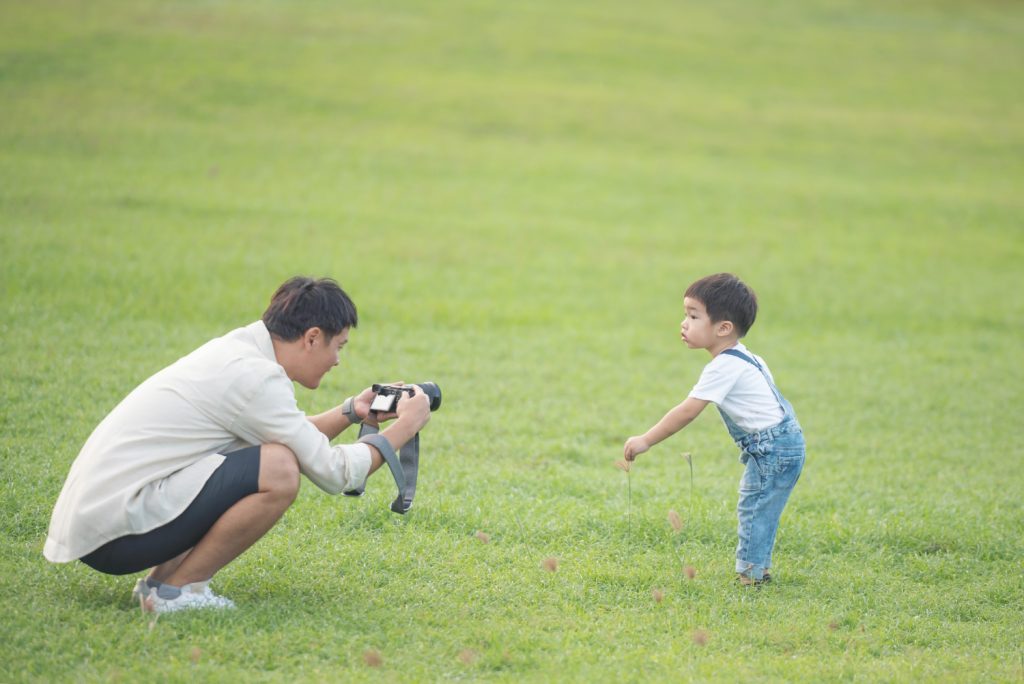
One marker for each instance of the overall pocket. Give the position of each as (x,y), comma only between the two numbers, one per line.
(753,476)
(789,456)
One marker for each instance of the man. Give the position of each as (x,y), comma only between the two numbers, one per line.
(203,458)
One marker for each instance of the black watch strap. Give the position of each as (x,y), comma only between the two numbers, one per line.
(348,408)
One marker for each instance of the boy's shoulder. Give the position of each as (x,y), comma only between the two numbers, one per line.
(738,354)
(735,361)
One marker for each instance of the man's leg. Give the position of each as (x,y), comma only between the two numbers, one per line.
(161,572)
(242,524)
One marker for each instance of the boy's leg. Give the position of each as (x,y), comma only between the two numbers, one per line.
(790,471)
(246,521)
(751,528)
(763,496)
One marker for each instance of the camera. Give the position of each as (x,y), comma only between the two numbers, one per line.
(388,395)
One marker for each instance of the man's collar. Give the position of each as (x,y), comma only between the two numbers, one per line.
(262,337)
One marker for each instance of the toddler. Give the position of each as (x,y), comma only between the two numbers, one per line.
(719,311)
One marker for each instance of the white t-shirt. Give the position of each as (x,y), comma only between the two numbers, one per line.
(740,390)
(149,458)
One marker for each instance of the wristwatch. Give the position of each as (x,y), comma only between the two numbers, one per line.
(348,408)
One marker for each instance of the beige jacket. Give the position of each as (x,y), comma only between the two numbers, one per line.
(150,457)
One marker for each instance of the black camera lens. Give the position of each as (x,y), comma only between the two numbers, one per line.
(433,391)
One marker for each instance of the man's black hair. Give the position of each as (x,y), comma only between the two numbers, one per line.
(726,298)
(302,303)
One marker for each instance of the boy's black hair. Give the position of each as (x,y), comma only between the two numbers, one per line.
(302,303)
(726,298)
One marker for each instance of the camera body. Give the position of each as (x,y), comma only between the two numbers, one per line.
(387,397)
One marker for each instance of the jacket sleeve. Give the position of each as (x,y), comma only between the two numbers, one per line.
(272,416)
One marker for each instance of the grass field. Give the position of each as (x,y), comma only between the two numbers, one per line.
(516,196)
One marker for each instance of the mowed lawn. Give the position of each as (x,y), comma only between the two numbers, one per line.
(516,195)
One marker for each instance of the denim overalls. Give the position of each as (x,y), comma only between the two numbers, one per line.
(774,458)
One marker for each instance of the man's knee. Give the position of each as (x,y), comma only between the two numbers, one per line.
(279,471)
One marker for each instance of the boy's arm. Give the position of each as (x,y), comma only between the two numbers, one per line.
(674,421)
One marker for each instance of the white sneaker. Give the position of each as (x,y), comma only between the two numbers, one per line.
(193,596)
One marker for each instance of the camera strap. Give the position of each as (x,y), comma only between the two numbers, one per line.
(404,465)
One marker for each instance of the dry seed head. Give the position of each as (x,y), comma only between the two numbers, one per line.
(467,656)
(675,521)
(373,658)
(700,637)
(688,456)
(550,564)
(483,536)
(622,465)
(690,571)
(658,595)
(196,654)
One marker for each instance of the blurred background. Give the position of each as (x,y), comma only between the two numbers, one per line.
(516,197)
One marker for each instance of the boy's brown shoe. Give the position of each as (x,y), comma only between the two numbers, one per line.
(751,582)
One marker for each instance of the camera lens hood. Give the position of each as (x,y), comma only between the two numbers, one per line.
(433,391)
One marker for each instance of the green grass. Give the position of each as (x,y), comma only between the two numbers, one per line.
(516,195)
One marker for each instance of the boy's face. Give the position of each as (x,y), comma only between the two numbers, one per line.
(697,329)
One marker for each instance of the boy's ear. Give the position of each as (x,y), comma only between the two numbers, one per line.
(724,328)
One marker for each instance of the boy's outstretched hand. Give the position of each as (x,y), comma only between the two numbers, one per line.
(634,447)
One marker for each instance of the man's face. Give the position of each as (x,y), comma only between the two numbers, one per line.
(697,330)
(321,355)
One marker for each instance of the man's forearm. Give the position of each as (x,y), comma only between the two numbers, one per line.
(400,432)
(397,435)
(331,422)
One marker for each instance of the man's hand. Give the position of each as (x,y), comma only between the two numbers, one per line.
(415,409)
(362,405)
(412,412)
(634,447)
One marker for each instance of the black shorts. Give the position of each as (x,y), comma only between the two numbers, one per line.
(236,478)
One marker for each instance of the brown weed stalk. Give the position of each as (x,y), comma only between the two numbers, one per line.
(624,466)
(689,460)
(676,521)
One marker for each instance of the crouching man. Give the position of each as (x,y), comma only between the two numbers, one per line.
(201,459)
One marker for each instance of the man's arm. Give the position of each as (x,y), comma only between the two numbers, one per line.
(674,421)
(272,417)
(333,421)
(412,413)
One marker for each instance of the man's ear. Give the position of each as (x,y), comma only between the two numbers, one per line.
(724,328)
(310,337)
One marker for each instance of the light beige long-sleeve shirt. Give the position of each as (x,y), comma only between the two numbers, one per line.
(149,458)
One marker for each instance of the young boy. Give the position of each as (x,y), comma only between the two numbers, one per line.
(719,311)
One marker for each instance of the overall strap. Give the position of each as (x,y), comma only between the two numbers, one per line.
(752,361)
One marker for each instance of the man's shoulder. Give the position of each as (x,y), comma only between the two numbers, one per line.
(236,359)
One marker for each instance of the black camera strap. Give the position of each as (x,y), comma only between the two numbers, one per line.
(404,465)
